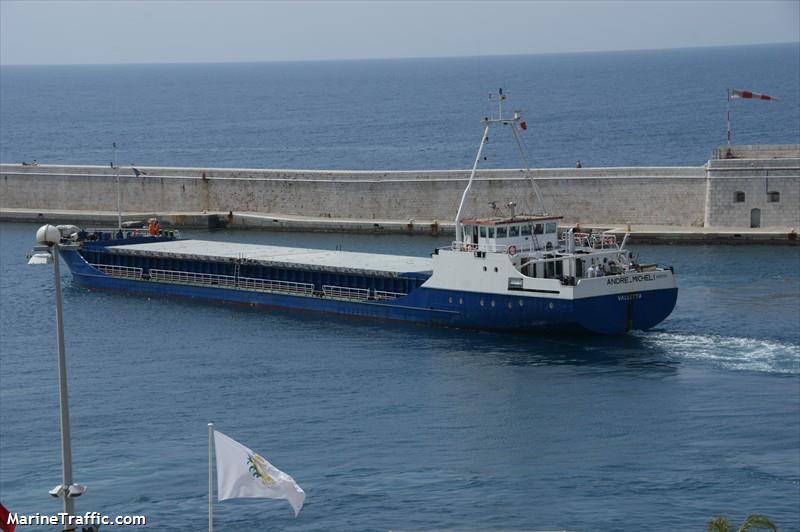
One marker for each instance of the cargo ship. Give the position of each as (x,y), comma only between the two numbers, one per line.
(506,272)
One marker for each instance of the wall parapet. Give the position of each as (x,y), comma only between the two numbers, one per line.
(674,195)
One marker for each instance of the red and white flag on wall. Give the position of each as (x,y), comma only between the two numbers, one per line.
(739,93)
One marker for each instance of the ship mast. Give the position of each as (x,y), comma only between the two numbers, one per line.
(515,123)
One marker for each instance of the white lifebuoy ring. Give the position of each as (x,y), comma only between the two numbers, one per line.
(512,250)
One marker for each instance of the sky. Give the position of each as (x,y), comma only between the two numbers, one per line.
(150,31)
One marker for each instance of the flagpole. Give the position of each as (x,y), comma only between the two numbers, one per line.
(210,476)
(729,118)
(119,194)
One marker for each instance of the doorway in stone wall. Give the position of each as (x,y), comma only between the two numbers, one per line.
(755,218)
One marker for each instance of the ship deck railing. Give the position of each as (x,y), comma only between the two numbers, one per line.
(270,285)
(382,295)
(496,248)
(345,292)
(176,276)
(249,283)
(119,271)
(112,233)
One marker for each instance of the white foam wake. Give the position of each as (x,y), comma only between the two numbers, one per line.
(749,354)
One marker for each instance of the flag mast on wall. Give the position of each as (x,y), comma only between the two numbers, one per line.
(734,94)
(242,473)
(115,166)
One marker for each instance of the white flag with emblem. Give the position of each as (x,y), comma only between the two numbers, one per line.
(243,473)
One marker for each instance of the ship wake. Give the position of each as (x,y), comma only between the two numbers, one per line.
(743,354)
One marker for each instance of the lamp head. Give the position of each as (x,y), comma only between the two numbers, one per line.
(76,490)
(48,235)
(40,257)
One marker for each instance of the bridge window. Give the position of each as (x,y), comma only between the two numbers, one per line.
(513,230)
(526,230)
(491,232)
(773,196)
(483,231)
(502,232)
(738,197)
(539,229)
(551,227)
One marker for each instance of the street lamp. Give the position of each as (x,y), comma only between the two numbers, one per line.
(47,252)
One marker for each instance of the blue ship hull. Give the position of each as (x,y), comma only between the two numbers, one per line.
(606,314)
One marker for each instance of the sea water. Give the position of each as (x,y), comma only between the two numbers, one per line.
(395,426)
(604,109)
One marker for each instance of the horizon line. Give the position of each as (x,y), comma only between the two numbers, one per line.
(401,58)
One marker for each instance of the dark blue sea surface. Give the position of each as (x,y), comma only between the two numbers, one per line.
(606,109)
(391,426)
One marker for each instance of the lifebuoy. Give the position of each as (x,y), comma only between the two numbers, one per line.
(512,250)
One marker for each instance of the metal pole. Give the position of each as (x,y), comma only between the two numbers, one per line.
(527,167)
(471,178)
(210,476)
(729,118)
(119,193)
(66,447)
(119,205)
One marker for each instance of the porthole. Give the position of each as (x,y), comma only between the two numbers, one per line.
(450,300)
(492,303)
(460,300)
(483,302)
(510,305)
(520,303)
(551,306)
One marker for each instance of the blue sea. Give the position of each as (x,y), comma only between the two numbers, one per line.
(605,109)
(392,426)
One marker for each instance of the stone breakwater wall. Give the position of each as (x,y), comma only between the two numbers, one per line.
(698,196)
(741,192)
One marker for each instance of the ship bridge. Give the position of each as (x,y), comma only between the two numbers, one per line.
(515,234)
